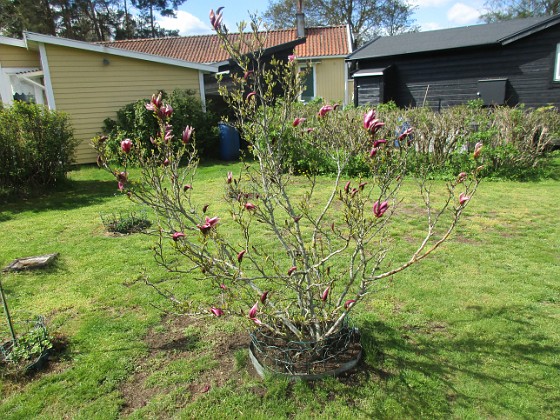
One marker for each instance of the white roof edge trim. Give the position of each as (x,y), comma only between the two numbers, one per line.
(14,42)
(373,73)
(86,46)
(319,57)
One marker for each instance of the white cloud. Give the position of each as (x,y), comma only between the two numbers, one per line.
(428,3)
(462,14)
(431,26)
(185,23)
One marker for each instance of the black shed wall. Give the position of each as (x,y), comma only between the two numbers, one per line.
(441,79)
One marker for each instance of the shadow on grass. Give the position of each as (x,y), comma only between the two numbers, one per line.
(425,371)
(71,194)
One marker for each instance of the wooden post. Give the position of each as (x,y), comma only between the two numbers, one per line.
(8,317)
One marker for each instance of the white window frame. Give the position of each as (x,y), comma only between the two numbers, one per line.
(557,64)
(304,67)
(24,75)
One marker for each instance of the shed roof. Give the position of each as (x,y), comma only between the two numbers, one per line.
(453,38)
(319,42)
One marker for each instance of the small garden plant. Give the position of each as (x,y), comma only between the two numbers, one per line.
(23,351)
(125,222)
(302,265)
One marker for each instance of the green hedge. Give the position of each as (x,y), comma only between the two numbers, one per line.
(36,147)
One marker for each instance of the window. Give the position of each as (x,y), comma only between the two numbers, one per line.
(308,83)
(21,84)
(557,64)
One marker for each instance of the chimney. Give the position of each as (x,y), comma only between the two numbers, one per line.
(300,20)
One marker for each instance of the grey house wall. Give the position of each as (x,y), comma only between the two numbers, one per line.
(447,78)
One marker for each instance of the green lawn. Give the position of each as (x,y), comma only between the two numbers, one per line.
(472,332)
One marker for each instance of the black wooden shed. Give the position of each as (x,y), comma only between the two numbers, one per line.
(504,63)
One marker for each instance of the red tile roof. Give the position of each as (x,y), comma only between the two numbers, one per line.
(320,42)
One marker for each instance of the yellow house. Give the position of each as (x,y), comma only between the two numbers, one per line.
(89,82)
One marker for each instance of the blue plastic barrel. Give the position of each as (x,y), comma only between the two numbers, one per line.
(229,142)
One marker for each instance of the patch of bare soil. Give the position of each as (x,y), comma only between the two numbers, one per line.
(170,343)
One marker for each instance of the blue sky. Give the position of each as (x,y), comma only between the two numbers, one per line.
(192,18)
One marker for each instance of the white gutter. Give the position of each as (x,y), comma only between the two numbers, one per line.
(4,40)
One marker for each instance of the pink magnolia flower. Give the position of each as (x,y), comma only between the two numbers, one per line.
(292,270)
(375,125)
(264,296)
(229,178)
(187,134)
(122,178)
(347,187)
(240,255)
(178,235)
(349,303)
(217,312)
(325,294)
(461,177)
(373,152)
(250,206)
(405,133)
(216,18)
(187,187)
(168,136)
(250,95)
(126,145)
(376,143)
(368,118)
(325,109)
(291,58)
(298,121)
(463,198)
(379,208)
(208,225)
(309,130)
(253,310)
(223,286)
(477,149)
(166,111)
(155,103)
(166,162)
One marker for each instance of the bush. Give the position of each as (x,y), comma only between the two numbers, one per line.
(135,122)
(516,140)
(36,147)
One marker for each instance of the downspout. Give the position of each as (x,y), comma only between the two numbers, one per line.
(345,83)
(202,90)
(347,64)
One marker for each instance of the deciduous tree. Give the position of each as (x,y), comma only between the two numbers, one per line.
(498,10)
(366,18)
